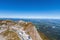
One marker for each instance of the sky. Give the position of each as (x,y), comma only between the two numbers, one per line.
(30,9)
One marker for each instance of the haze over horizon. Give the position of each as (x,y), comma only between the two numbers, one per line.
(30,9)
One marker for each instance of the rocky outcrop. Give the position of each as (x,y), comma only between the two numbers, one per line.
(27,27)
(32,31)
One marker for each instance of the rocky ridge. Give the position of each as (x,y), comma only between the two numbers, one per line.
(10,30)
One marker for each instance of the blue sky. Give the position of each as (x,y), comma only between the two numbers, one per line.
(30,9)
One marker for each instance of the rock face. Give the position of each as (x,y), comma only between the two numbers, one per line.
(20,30)
(33,32)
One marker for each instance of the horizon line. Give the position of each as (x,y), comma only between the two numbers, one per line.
(29,18)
